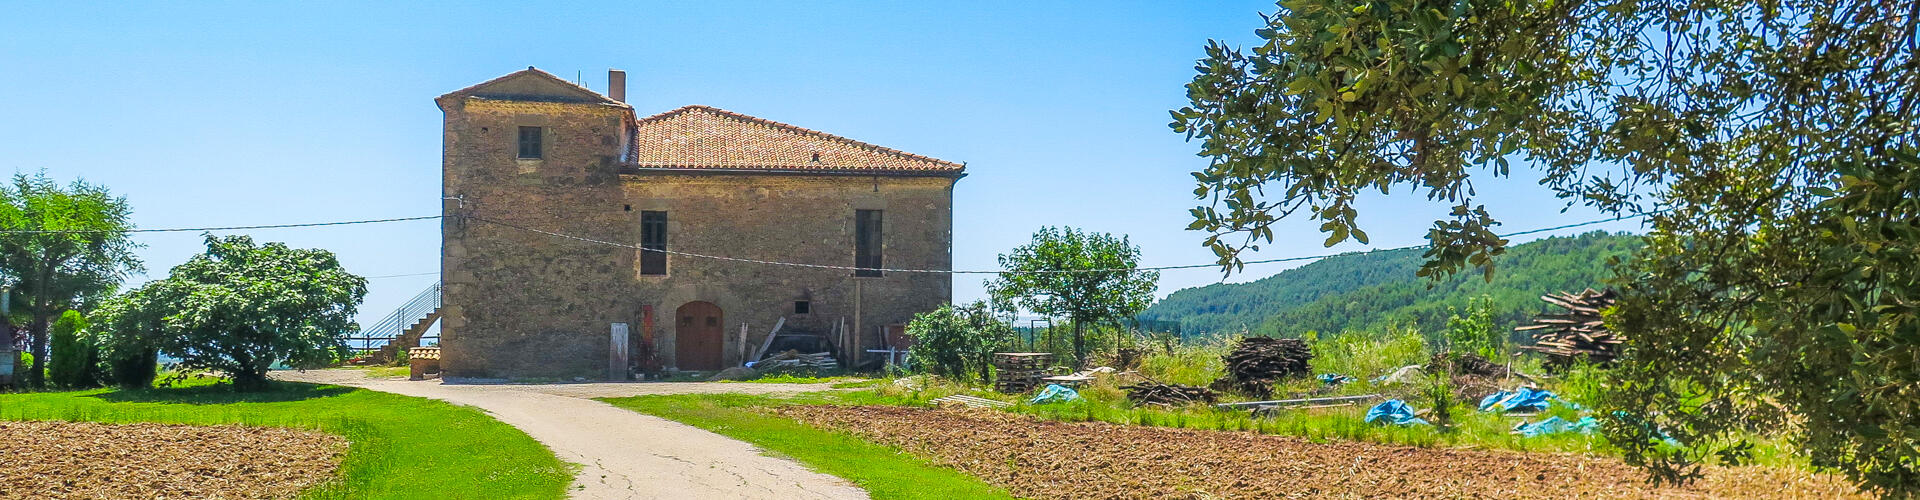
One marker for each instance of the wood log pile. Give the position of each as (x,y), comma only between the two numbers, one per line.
(1257,362)
(1019,372)
(794,360)
(1155,393)
(1577,333)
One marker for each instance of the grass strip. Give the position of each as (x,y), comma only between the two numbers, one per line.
(402,447)
(885,472)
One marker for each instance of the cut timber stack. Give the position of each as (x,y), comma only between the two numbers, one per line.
(1578,333)
(1257,362)
(1153,393)
(791,360)
(1019,372)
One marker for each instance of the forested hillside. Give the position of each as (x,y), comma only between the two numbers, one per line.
(1373,289)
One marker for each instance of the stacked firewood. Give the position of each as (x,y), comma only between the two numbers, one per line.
(1577,333)
(1154,393)
(793,360)
(1257,362)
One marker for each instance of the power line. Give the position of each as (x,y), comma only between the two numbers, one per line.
(403,275)
(226,228)
(946,271)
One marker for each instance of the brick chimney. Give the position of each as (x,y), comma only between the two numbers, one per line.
(617,85)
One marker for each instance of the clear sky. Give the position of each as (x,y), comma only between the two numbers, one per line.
(244,113)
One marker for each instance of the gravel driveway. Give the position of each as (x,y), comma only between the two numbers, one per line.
(624,454)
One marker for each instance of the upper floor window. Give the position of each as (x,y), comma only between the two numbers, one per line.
(530,143)
(653,242)
(866,243)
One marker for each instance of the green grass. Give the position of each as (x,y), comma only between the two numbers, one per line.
(883,471)
(788,378)
(402,447)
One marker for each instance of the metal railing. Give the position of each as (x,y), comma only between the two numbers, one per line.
(389,328)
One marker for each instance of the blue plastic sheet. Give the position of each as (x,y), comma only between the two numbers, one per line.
(1055,393)
(1335,379)
(1393,411)
(1522,399)
(1557,425)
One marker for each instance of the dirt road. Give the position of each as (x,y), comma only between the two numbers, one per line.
(624,454)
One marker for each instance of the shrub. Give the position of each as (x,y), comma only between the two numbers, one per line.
(72,360)
(1475,333)
(958,342)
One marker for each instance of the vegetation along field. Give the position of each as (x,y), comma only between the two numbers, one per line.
(394,446)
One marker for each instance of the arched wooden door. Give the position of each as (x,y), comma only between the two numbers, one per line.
(698,336)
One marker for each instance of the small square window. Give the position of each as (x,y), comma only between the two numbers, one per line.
(802,307)
(530,143)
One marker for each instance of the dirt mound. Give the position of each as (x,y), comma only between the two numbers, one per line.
(1044,459)
(89,460)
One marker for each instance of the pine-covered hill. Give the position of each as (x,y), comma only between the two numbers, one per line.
(1370,290)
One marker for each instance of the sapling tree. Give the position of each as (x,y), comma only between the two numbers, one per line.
(1089,278)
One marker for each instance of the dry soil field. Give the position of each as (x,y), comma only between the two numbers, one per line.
(61,460)
(1042,459)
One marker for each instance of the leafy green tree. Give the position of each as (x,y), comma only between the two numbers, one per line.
(127,333)
(61,247)
(1086,277)
(1771,146)
(958,342)
(240,307)
(74,358)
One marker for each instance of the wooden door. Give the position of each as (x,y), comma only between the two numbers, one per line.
(698,336)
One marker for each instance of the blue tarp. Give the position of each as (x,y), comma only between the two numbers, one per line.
(1055,393)
(1557,425)
(1393,411)
(1522,399)
(1334,379)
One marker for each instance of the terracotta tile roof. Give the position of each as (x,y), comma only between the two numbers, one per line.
(707,138)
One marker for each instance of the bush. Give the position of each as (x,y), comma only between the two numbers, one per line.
(72,360)
(1476,333)
(958,342)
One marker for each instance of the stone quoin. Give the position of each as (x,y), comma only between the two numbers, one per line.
(533,151)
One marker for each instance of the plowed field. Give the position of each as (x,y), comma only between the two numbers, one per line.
(1045,459)
(61,460)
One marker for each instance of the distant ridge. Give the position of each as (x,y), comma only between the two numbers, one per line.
(1371,290)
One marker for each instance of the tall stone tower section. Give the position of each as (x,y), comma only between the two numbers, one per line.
(524,153)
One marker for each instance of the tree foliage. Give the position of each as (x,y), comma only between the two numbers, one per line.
(1475,332)
(127,333)
(1084,277)
(1770,144)
(958,342)
(240,307)
(61,247)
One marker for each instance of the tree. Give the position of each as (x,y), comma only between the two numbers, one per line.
(61,247)
(1086,277)
(958,342)
(1771,146)
(74,358)
(240,307)
(1476,333)
(127,333)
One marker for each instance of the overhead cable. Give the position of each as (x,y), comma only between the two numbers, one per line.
(226,228)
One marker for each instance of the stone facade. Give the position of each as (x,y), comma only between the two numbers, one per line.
(521,303)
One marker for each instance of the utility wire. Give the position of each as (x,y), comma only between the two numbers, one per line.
(227,228)
(946,271)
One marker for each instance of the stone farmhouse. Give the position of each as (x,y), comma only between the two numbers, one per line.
(580,237)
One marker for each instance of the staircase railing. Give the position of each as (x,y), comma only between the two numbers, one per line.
(390,327)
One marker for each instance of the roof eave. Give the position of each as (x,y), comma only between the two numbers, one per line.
(844,172)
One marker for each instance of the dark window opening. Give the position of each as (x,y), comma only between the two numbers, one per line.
(866,243)
(712,321)
(628,208)
(653,243)
(802,307)
(530,143)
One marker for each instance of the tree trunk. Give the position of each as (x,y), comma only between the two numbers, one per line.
(1079,345)
(37,331)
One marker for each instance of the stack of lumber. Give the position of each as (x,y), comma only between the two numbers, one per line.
(1019,372)
(1257,362)
(1577,333)
(1154,393)
(791,360)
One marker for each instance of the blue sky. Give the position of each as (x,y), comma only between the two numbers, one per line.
(217,114)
